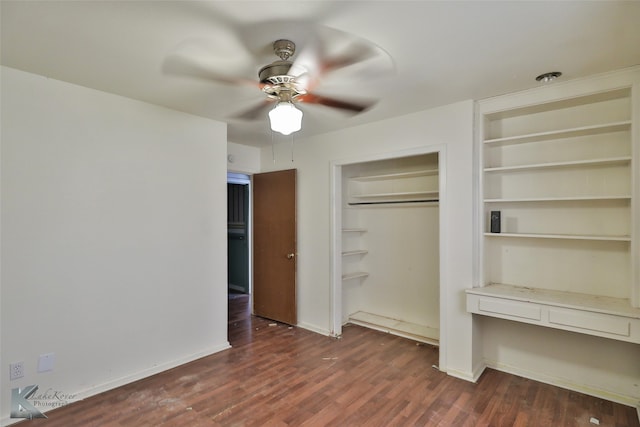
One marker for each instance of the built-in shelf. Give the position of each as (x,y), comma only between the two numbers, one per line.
(354,232)
(355,252)
(563,133)
(399,195)
(589,314)
(395,198)
(354,275)
(561,236)
(419,186)
(401,328)
(561,172)
(577,163)
(558,199)
(400,175)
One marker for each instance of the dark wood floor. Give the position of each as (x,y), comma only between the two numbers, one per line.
(283,376)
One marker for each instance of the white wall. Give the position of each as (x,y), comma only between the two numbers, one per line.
(403,264)
(243,158)
(449,127)
(113,236)
(599,366)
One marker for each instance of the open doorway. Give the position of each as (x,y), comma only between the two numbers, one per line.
(238,232)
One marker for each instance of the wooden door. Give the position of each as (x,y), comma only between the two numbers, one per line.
(274,246)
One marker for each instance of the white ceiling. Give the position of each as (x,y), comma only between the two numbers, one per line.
(442,52)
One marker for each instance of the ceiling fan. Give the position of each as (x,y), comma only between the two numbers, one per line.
(297,78)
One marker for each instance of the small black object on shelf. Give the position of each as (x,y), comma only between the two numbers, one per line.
(495,221)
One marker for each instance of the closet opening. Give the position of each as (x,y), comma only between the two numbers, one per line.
(387,244)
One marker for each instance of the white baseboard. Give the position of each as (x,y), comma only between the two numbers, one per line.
(467,376)
(151,371)
(567,384)
(314,328)
(478,371)
(110,385)
(412,331)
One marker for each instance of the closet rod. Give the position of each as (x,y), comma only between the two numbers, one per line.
(394,202)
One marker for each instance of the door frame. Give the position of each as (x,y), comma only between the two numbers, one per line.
(335,175)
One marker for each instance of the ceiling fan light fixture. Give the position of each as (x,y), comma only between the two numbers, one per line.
(285,118)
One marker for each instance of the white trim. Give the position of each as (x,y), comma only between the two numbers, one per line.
(472,376)
(562,90)
(443,233)
(635,191)
(314,328)
(335,260)
(238,178)
(564,383)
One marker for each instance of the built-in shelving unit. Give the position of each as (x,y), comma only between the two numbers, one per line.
(405,187)
(354,275)
(354,234)
(593,315)
(560,171)
(355,252)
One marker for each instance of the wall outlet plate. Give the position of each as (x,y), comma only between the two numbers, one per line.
(16,370)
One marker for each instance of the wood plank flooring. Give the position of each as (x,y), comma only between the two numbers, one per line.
(283,376)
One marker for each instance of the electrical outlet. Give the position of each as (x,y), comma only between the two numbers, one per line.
(16,370)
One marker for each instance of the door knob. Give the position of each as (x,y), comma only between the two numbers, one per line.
(290,256)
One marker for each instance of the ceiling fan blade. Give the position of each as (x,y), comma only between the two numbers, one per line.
(349,106)
(256,112)
(328,50)
(197,58)
(177,67)
(356,51)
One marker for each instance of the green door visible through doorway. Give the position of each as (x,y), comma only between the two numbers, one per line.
(237,237)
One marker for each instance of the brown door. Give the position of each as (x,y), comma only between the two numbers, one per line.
(274,246)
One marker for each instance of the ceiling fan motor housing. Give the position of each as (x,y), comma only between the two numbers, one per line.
(274,70)
(275,76)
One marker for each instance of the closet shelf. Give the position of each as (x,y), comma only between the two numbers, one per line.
(399,175)
(354,275)
(558,199)
(562,236)
(578,163)
(399,195)
(397,327)
(562,133)
(355,252)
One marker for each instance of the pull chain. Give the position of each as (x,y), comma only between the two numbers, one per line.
(273,149)
(292,139)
